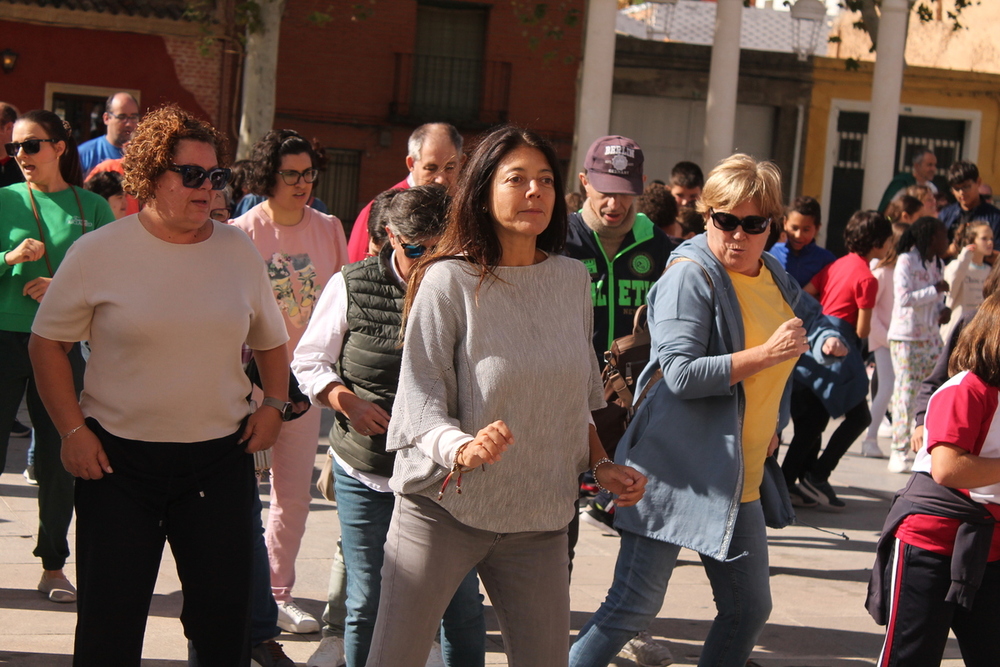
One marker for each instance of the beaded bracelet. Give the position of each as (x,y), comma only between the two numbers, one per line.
(593,470)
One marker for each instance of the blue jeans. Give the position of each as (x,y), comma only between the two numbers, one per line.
(740,586)
(364,522)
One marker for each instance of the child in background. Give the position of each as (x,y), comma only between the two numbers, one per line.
(108,184)
(847,291)
(965,276)
(799,254)
(878,342)
(914,333)
(686,182)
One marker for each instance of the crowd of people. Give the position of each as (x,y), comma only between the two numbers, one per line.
(459,335)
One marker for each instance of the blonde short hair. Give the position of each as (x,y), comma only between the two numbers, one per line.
(741,178)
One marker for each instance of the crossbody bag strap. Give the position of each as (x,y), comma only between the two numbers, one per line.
(41,234)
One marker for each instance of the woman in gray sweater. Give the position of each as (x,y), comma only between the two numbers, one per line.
(491,415)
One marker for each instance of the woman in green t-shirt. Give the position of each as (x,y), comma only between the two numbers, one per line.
(39,220)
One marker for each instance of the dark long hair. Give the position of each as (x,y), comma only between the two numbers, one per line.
(471,233)
(56,128)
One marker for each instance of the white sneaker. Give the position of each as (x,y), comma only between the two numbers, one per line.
(884,428)
(899,462)
(647,652)
(330,653)
(293,619)
(870,449)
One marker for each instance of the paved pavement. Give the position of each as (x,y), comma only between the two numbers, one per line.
(818,582)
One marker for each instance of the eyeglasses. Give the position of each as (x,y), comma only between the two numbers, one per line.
(219,214)
(291,177)
(30,146)
(192,176)
(752,224)
(412,250)
(126,116)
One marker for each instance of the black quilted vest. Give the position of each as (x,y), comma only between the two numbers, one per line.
(371,357)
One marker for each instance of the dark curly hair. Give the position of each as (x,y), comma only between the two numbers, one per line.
(658,205)
(920,235)
(151,151)
(265,160)
(865,231)
(57,128)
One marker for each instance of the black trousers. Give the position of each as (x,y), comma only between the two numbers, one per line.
(809,418)
(55,485)
(197,497)
(919,617)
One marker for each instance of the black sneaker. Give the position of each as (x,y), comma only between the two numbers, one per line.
(19,430)
(269,654)
(800,499)
(821,492)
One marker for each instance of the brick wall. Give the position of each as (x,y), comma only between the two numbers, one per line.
(201,75)
(335,82)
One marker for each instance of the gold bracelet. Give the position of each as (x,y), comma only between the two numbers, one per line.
(69,433)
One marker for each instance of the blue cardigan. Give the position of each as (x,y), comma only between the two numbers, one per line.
(686,436)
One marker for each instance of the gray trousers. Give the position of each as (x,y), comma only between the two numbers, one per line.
(428,553)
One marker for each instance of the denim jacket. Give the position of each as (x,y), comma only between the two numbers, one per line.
(686,436)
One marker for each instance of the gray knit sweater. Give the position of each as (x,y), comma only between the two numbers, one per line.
(522,353)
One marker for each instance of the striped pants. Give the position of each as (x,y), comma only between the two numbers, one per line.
(919,617)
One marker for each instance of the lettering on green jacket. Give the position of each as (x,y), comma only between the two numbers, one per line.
(631,293)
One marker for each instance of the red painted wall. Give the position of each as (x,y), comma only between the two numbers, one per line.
(89,58)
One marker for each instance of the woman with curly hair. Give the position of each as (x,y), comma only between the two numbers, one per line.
(303,249)
(39,220)
(161,441)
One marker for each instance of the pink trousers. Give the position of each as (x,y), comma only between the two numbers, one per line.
(292,462)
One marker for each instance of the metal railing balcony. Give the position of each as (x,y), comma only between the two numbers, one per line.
(462,91)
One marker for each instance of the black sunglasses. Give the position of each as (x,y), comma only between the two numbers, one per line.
(752,224)
(30,146)
(412,250)
(192,176)
(291,177)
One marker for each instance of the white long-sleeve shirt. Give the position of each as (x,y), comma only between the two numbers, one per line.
(314,364)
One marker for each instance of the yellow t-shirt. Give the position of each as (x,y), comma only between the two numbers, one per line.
(764,309)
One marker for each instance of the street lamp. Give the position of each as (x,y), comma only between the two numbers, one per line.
(8,58)
(808,20)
